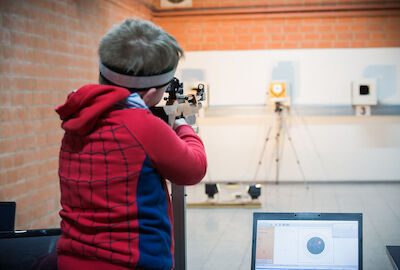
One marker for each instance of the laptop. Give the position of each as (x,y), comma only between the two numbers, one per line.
(7,216)
(20,250)
(307,241)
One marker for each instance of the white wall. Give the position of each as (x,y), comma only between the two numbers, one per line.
(330,148)
(317,76)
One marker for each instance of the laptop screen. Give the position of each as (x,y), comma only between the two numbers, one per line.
(7,216)
(307,241)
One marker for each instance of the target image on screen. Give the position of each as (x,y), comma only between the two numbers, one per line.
(315,245)
(303,244)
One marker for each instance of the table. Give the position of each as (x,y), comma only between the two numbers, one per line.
(393,253)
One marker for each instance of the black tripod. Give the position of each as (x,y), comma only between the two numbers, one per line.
(279,124)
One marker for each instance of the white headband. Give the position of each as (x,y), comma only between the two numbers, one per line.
(136,82)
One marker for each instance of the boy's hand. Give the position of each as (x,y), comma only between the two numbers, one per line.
(179,122)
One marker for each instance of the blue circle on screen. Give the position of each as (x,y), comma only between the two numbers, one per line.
(315,245)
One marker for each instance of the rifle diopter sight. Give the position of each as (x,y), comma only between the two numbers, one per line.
(175,92)
(180,105)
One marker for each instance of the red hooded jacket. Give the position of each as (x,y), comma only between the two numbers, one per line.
(116,210)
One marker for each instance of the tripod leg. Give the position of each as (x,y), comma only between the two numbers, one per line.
(296,156)
(267,139)
(314,145)
(277,148)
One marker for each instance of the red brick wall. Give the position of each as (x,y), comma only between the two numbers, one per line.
(283,24)
(47,49)
(284,33)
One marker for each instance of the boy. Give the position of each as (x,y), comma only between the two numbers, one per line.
(115,156)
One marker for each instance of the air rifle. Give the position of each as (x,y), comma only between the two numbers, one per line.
(179,105)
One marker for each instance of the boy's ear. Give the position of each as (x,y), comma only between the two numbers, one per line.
(148,95)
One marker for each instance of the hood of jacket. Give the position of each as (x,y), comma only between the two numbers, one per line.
(85,106)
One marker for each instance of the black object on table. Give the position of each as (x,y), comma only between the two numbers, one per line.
(7,214)
(22,249)
(394,255)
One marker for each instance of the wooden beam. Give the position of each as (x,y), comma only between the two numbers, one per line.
(279,12)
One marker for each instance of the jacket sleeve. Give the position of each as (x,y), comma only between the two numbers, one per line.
(178,155)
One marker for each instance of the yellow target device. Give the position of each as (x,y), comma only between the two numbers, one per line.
(279,91)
